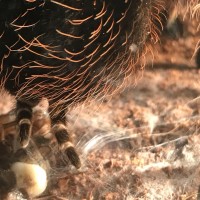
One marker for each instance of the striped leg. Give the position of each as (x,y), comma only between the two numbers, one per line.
(24,117)
(63,139)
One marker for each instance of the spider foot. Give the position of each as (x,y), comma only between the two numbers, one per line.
(24,116)
(24,132)
(65,144)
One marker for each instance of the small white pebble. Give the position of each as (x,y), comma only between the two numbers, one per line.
(133,47)
(31,177)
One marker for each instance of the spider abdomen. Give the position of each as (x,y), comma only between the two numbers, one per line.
(70,50)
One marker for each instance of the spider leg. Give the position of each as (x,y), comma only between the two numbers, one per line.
(62,136)
(24,121)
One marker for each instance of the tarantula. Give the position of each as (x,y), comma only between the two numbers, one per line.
(67,52)
(70,52)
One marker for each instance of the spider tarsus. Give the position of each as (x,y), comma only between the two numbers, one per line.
(65,144)
(24,134)
(73,156)
(24,117)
